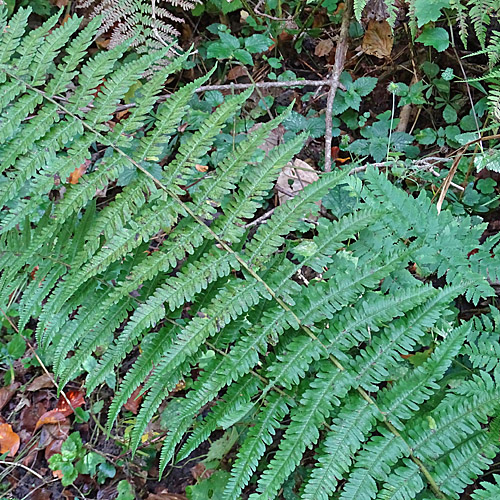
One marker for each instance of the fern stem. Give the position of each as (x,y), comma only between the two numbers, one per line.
(243,263)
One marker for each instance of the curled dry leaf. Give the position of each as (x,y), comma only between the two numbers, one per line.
(7,392)
(378,39)
(323,48)
(9,440)
(62,410)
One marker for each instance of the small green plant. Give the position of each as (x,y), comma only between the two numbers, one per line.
(75,459)
(230,47)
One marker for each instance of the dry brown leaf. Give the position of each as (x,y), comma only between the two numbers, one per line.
(272,140)
(378,39)
(53,448)
(50,417)
(6,393)
(54,432)
(199,471)
(42,494)
(323,48)
(236,72)
(122,114)
(9,440)
(134,401)
(102,42)
(30,416)
(41,382)
(294,178)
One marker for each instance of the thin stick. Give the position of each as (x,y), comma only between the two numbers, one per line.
(340,55)
(263,85)
(25,467)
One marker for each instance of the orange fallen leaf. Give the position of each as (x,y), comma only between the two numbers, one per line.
(9,440)
(122,114)
(378,39)
(76,400)
(201,168)
(63,409)
(50,417)
(74,177)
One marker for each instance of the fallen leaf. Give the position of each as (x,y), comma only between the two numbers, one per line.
(102,42)
(64,408)
(54,432)
(50,417)
(58,473)
(42,494)
(33,272)
(122,114)
(272,140)
(41,382)
(76,400)
(74,177)
(199,471)
(30,416)
(323,48)
(9,440)
(134,401)
(53,448)
(236,72)
(378,39)
(294,178)
(201,168)
(6,393)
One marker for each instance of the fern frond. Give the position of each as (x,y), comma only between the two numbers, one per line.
(490,491)
(267,421)
(373,464)
(349,430)
(315,406)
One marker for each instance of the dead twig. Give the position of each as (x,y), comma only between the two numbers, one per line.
(338,67)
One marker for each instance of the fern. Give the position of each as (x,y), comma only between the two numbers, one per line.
(326,365)
(145,25)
